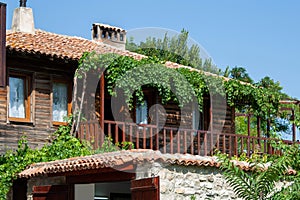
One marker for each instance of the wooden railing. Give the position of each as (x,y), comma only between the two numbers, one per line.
(172,140)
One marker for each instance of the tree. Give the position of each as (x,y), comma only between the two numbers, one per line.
(173,49)
(240,73)
(270,84)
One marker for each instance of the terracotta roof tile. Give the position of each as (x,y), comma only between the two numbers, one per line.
(61,46)
(72,47)
(115,159)
(120,158)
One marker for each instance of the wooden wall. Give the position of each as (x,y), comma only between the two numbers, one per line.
(173,116)
(42,71)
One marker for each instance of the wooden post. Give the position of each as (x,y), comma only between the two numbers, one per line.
(2,44)
(258,130)
(294,126)
(248,124)
(268,135)
(211,127)
(101,112)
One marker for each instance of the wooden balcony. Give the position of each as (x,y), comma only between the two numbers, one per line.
(172,140)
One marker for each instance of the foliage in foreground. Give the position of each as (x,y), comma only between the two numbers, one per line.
(63,146)
(260,182)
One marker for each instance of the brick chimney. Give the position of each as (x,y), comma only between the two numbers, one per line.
(23,19)
(110,35)
(2,44)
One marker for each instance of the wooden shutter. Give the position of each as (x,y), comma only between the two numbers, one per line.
(2,44)
(50,192)
(146,189)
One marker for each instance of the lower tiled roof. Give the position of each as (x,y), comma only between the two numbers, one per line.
(115,159)
(121,158)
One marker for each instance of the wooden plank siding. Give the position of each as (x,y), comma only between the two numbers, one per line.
(42,71)
(170,130)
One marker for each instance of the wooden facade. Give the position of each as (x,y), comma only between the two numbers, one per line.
(40,73)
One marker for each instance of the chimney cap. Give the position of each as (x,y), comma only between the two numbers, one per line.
(114,28)
(23,3)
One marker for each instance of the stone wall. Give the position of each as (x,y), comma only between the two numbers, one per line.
(183,182)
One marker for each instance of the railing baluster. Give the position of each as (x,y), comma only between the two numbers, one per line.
(242,144)
(137,134)
(184,142)
(130,133)
(205,143)
(165,141)
(151,138)
(123,132)
(116,133)
(144,138)
(211,142)
(157,138)
(248,146)
(87,136)
(230,145)
(171,141)
(92,133)
(178,141)
(109,130)
(224,144)
(235,145)
(198,142)
(81,131)
(97,132)
(218,142)
(192,142)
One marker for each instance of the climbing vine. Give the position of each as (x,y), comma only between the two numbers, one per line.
(261,101)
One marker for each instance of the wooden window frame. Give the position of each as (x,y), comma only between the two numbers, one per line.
(27,97)
(69,97)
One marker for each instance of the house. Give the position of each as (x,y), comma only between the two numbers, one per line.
(37,83)
(36,87)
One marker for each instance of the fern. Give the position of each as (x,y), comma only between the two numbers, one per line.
(259,183)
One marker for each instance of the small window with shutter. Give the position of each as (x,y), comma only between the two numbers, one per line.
(19,98)
(61,107)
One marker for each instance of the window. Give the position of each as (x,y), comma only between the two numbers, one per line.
(142,113)
(60,102)
(196,117)
(19,98)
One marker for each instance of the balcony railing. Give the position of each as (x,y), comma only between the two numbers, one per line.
(173,140)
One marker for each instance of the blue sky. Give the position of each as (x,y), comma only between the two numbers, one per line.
(262,36)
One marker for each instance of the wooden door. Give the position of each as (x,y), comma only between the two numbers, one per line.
(50,192)
(146,189)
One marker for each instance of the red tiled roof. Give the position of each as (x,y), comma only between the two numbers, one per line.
(121,158)
(61,46)
(72,47)
(115,159)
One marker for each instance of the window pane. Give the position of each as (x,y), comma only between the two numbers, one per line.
(141,113)
(16,97)
(60,102)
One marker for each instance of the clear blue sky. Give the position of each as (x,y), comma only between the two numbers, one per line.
(262,36)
